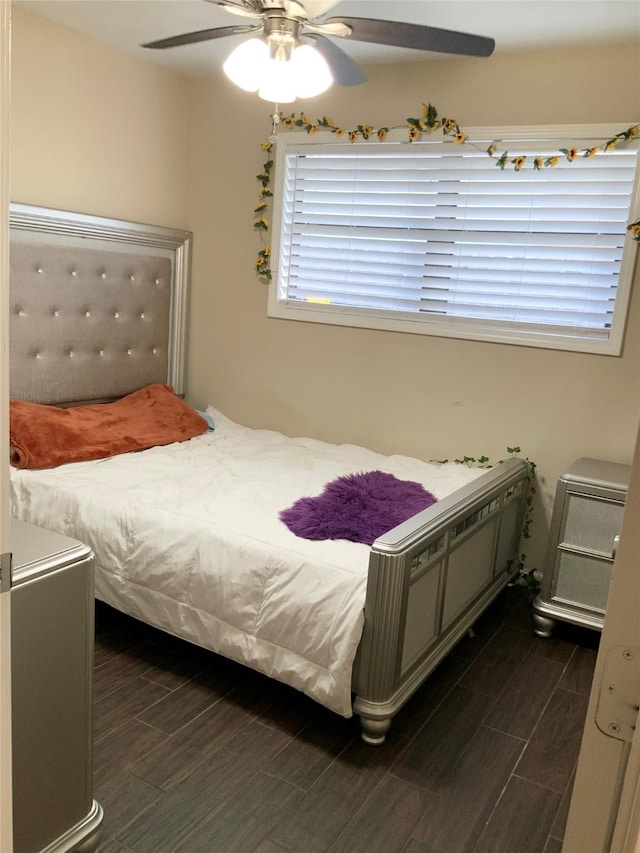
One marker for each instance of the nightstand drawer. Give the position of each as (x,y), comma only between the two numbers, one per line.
(582,581)
(592,523)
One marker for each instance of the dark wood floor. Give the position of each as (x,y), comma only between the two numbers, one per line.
(194,753)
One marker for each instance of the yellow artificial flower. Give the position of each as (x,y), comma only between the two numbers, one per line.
(304,119)
(367,130)
(266,146)
(552,161)
(413,132)
(382,134)
(328,122)
(266,251)
(313,128)
(339,131)
(288,121)
(634,230)
(634,131)
(610,144)
(519,162)
(537,162)
(491,150)
(591,152)
(572,153)
(353,135)
(423,125)
(460,137)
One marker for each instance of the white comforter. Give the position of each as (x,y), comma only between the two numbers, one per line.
(187,537)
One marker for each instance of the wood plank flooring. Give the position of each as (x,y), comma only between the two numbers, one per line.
(195,754)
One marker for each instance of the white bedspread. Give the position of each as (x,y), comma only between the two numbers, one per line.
(187,537)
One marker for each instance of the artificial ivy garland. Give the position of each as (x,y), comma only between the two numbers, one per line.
(528,577)
(416,127)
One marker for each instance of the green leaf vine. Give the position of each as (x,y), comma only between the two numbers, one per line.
(427,122)
(527,577)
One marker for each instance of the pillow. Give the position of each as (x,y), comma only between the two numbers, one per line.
(208,418)
(45,436)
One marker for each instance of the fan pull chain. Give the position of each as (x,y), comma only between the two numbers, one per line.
(275,121)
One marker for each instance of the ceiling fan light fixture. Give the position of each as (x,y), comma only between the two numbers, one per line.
(278,65)
(244,65)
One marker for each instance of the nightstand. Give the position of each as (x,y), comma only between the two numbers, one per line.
(587,517)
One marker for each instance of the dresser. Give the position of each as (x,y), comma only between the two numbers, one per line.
(51,661)
(587,517)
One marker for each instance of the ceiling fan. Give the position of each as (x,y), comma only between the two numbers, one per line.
(292,55)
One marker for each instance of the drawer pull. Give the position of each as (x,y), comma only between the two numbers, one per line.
(614,549)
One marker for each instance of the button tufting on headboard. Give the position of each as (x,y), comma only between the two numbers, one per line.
(99,306)
(70,318)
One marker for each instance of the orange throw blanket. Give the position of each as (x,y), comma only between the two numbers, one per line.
(46,436)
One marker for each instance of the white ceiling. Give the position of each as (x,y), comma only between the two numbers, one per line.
(514,24)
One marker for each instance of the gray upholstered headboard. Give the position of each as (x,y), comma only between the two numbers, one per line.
(98,307)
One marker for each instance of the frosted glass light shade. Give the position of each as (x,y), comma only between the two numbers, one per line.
(244,65)
(310,72)
(277,82)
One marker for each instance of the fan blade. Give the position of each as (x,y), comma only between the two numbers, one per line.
(290,8)
(345,71)
(316,8)
(247,10)
(201,35)
(416,36)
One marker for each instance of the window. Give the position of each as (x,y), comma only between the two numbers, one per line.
(432,237)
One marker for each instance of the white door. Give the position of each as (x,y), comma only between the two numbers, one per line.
(605,808)
(5,614)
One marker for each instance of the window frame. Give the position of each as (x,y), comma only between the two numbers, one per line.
(464,328)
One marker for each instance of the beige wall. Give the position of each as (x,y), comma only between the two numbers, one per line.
(93,129)
(99,131)
(426,396)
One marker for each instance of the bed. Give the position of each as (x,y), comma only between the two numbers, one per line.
(189,535)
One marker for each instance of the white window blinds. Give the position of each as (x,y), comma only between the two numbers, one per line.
(436,234)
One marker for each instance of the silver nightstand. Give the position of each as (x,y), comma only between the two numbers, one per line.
(587,517)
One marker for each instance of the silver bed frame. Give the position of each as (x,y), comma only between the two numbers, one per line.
(99,308)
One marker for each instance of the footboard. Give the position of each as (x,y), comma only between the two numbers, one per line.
(429,580)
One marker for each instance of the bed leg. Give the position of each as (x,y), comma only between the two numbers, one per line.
(374,731)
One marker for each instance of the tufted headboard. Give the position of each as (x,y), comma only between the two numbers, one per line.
(98,307)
